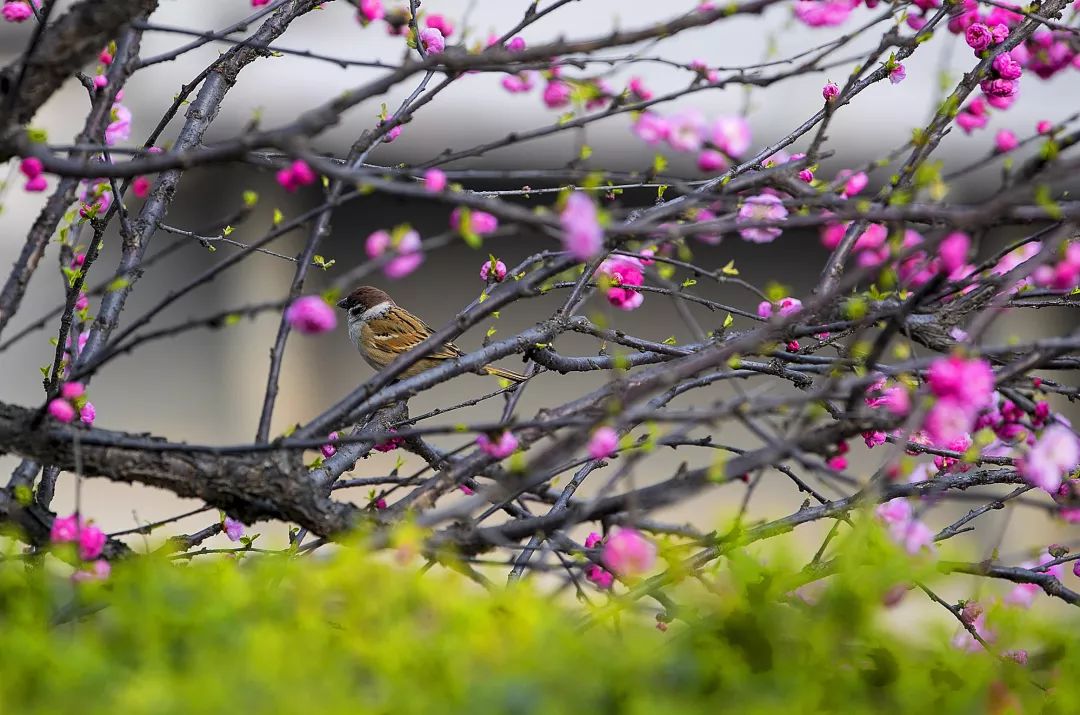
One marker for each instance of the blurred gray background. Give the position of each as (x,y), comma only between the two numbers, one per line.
(208,386)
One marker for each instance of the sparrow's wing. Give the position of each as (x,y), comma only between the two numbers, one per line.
(399,331)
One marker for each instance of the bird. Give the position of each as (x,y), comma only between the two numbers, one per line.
(382,330)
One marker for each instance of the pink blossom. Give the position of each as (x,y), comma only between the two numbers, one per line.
(1005,141)
(295,175)
(31,167)
(597,575)
(480,223)
(99,570)
(434,180)
(380,504)
(894,511)
(87,413)
(623,272)
(140,186)
(440,23)
(1044,127)
(685,131)
(651,128)
(731,135)
(639,90)
(897,74)
(763,207)
(1019,655)
(119,129)
(82,302)
(806,175)
(873,438)
(329,450)
(582,235)
(556,94)
(1006,67)
(64,529)
(969,121)
(370,11)
(409,256)
(517,83)
(433,41)
(259,3)
(36,185)
(855,183)
(61,410)
(1024,594)
(947,421)
(392,133)
(516,44)
(592,540)
(493,269)
(896,400)
(977,620)
(72,390)
(17,11)
(830,91)
(91,542)
(969,381)
(233,529)
(823,13)
(628,553)
(1055,455)
(311,315)
(100,81)
(710,161)
(391,444)
(466,490)
(603,443)
(904,529)
(998,88)
(978,37)
(498,446)
(953,251)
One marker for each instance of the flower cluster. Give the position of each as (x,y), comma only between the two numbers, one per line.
(498,445)
(71,402)
(904,528)
(621,274)
(295,175)
(727,137)
(32,169)
(963,389)
(403,243)
(89,541)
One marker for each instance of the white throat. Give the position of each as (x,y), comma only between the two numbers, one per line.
(375,311)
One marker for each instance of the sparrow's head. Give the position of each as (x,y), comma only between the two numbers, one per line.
(363,298)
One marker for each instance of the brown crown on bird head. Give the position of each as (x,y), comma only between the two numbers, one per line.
(363,298)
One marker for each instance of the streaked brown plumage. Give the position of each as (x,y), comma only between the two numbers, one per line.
(383,330)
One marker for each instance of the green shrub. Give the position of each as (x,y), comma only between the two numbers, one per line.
(356,633)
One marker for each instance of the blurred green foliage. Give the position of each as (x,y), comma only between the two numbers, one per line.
(355,632)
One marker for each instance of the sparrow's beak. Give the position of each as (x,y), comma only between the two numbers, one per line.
(343,304)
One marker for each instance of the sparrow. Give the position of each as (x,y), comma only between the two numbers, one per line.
(382,330)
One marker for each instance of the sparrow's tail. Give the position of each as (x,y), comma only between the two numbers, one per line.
(499,372)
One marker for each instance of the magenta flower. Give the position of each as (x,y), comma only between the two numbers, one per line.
(433,40)
(597,575)
(582,235)
(638,89)
(873,438)
(1005,141)
(405,243)
(17,11)
(953,251)
(685,131)
(855,183)
(731,135)
(72,390)
(295,175)
(903,528)
(1006,67)
(1044,127)
(434,180)
(233,528)
(998,88)
(603,443)
(556,94)
(87,414)
(830,91)
(31,167)
(969,381)
(897,74)
(141,187)
(370,11)
(61,410)
(97,571)
(502,445)
(311,315)
(329,450)
(91,542)
(36,185)
(652,128)
(978,37)
(592,540)
(480,223)
(1055,455)
(948,420)
(763,207)
(710,161)
(1024,594)
(517,83)
(493,269)
(628,553)
(391,444)
(824,13)
(64,529)
(119,129)
(515,44)
(440,23)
